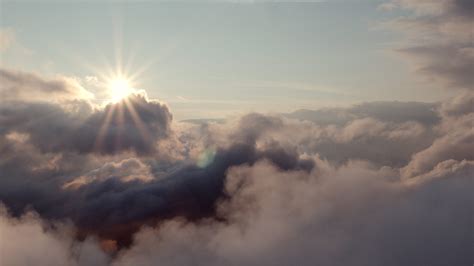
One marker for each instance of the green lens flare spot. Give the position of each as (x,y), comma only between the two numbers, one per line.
(206,158)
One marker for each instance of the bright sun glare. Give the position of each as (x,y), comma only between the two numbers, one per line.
(119,88)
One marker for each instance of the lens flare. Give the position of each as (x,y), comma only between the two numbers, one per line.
(206,158)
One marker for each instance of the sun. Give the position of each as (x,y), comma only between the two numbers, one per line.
(119,88)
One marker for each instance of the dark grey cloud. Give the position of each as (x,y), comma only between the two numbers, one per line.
(102,201)
(115,128)
(464,8)
(135,125)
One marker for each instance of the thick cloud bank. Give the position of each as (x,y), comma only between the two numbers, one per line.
(383,183)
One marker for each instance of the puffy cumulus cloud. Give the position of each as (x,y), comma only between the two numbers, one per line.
(460,105)
(456,141)
(441,44)
(457,146)
(383,135)
(359,132)
(15,85)
(134,124)
(384,183)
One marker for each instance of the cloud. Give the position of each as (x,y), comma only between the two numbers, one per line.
(7,38)
(132,125)
(423,113)
(384,133)
(439,39)
(353,214)
(122,184)
(455,143)
(18,85)
(29,240)
(125,170)
(460,105)
(111,199)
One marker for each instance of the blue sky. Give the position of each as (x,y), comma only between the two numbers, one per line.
(219,59)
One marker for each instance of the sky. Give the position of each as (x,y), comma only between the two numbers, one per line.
(237,133)
(215,59)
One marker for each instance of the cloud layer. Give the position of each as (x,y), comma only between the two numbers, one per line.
(377,183)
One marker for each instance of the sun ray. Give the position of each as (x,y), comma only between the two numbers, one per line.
(120,124)
(105,126)
(138,121)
